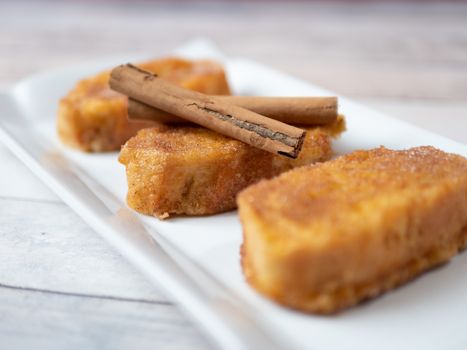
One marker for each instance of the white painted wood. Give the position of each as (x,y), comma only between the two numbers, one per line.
(60,284)
(44,245)
(36,320)
(358,49)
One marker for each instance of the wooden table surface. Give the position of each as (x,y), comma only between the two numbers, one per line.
(60,284)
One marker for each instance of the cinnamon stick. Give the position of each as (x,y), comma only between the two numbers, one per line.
(227,119)
(290,110)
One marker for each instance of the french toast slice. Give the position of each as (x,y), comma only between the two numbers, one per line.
(93,118)
(327,236)
(195,171)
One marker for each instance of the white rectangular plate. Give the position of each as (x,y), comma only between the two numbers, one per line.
(428,313)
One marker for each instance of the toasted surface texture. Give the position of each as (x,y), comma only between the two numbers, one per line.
(195,171)
(324,237)
(93,118)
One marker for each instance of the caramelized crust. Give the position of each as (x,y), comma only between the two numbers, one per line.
(93,118)
(324,237)
(195,171)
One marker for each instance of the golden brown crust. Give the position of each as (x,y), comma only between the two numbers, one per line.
(324,237)
(93,118)
(195,171)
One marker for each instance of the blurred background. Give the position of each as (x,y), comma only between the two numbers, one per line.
(405,58)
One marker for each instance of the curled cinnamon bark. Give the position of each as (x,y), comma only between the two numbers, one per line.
(230,120)
(290,110)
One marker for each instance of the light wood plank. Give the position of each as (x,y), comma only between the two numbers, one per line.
(382,50)
(38,320)
(45,245)
(61,284)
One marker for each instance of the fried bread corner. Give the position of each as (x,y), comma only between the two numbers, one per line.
(194,171)
(93,118)
(325,237)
